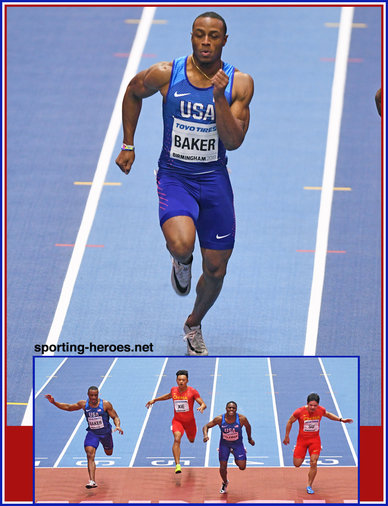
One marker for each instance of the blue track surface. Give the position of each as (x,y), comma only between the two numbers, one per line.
(147,443)
(351,306)
(64,67)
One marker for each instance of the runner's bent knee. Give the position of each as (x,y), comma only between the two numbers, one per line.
(214,265)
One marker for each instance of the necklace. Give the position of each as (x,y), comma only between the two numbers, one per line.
(196,66)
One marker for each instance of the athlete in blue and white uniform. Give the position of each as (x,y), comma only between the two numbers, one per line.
(193,179)
(205,112)
(99,430)
(231,441)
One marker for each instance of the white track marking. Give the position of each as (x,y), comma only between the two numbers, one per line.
(332,143)
(339,412)
(211,415)
(275,412)
(147,415)
(50,378)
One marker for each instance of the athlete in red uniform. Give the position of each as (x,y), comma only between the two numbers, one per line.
(309,418)
(183,398)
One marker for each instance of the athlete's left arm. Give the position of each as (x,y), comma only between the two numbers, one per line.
(202,405)
(248,428)
(112,413)
(336,418)
(232,121)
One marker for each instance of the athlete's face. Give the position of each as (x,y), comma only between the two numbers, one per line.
(208,39)
(231,409)
(312,406)
(181,381)
(93,397)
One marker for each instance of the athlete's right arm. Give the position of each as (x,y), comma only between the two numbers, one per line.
(291,420)
(65,406)
(216,421)
(164,397)
(143,85)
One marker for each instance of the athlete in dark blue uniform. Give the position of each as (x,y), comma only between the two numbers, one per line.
(99,430)
(231,441)
(205,112)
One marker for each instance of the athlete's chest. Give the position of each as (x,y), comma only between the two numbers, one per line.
(189,103)
(310,424)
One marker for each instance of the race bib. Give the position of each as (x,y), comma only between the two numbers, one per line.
(96,423)
(194,142)
(181,406)
(230,436)
(311,426)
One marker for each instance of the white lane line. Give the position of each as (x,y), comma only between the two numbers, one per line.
(332,143)
(339,412)
(99,178)
(134,455)
(50,378)
(275,412)
(95,190)
(83,417)
(27,418)
(211,415)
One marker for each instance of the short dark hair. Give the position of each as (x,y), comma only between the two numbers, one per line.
(92,388)
(213,15)
(182,372)
(313,397)
(231,402)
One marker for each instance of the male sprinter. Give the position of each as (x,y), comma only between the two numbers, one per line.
(205,112)
(183,398)
(99,430)
(231,441)
(309,418)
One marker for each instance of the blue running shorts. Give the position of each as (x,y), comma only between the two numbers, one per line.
(239,452)
(206,198)
(94,440)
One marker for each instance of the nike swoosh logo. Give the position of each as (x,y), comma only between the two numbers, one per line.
(222,236)
(176,94)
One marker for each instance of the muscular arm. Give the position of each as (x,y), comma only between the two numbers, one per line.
(115,417)
(164,397)
(336,418)
(143,85)
(202,405)
(291,420)
(216,421)
(232,121)
(66,407)
(248,428)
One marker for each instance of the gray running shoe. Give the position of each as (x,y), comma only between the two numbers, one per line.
(195,344)
(224,487)
(181,277)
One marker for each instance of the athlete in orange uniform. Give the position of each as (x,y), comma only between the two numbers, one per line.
(309,418)
(183,398)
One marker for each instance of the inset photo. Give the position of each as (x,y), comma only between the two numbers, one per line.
(209,429)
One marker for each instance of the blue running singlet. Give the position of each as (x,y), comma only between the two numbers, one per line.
(231,440)
(190,140)
(98,419)
(193,179)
